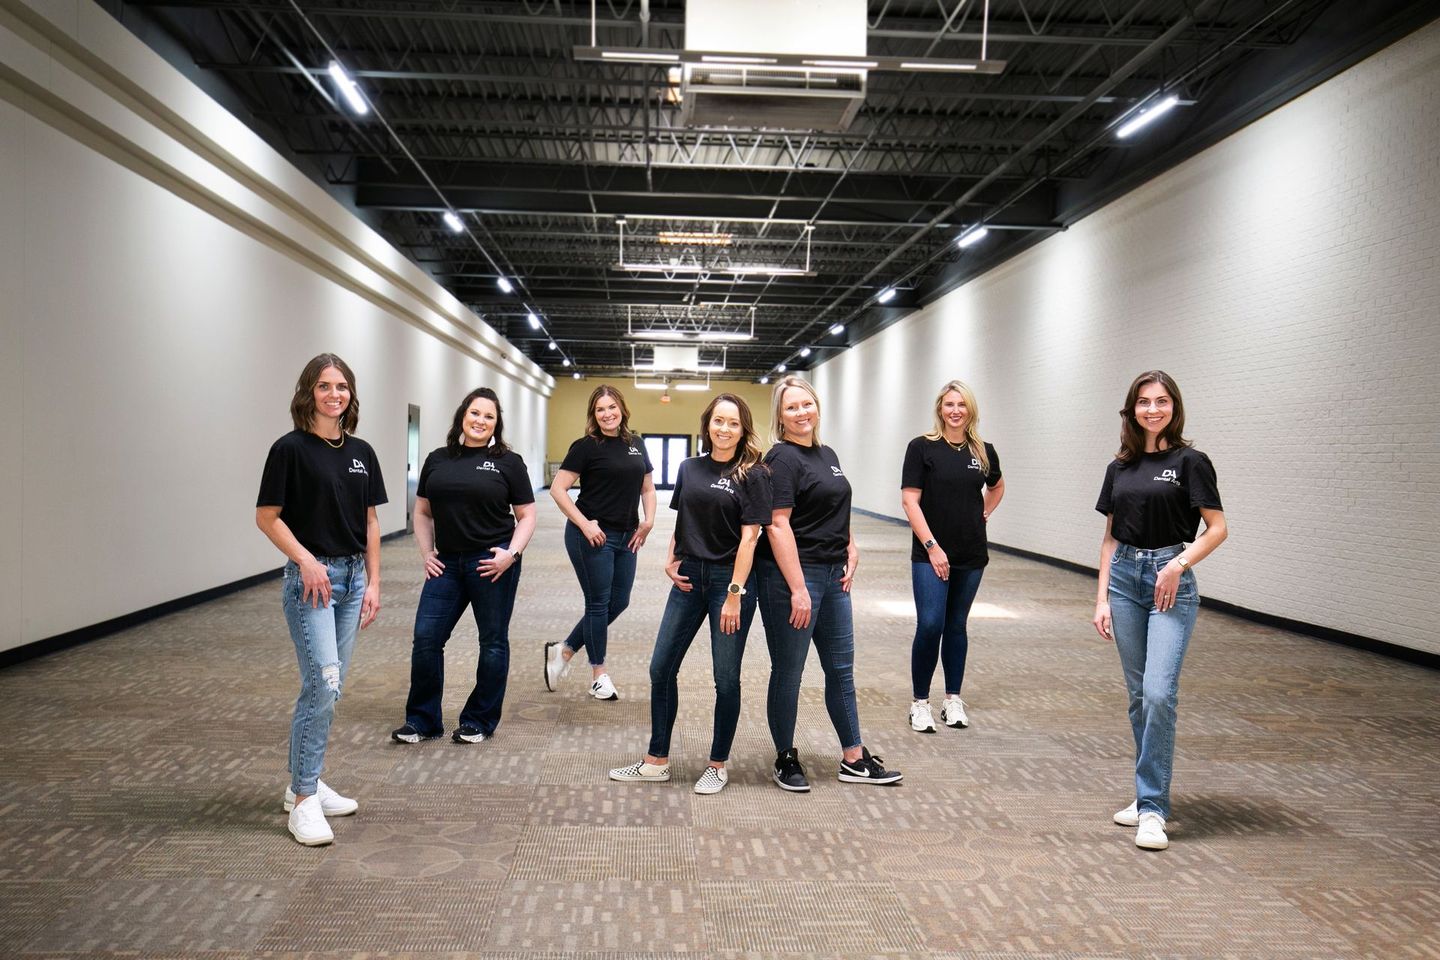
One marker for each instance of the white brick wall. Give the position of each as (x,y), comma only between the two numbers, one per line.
(1288,277)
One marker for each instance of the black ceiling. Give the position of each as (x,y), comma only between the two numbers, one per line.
(544,154)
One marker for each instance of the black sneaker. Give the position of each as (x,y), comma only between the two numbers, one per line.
(467,734)
(408,734)
(789,774)
(867,769)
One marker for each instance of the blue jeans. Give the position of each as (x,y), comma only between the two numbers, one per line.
(442,602)
(942,608)
(831,629)
(324,640)
(684,613)
(606,574)
(1152,646)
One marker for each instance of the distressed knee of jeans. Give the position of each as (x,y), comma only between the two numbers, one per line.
(331,673)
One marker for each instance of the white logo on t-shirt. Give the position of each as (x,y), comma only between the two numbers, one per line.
(357,467)
(634,452)
(723,484)
(837,471)
(1169,476)
(488,466)
(974,464)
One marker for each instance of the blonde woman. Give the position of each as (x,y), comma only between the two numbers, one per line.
(949,486)
(806,566)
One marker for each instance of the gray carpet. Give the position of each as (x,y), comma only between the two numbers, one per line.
(141,779)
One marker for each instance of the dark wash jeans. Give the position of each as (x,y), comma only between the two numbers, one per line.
(942,612)
(684,614)
(443,600)
(833,633)
(606,574)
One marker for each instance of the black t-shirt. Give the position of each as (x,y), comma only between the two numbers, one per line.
(713,506)
(611,474)
(470,497)
(323,493)
(1155,500)
(952,497)
(809,481)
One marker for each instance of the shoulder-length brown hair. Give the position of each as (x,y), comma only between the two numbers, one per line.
(453,443)
(747,452)
(592,426)
(302,405)
(1132,435)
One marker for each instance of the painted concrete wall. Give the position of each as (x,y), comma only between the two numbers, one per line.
(1289,278)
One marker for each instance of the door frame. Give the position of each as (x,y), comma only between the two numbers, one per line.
(662,468)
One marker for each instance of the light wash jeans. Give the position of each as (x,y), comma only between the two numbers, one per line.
(685,612)
(1152,646)
(833,633)
(324,640)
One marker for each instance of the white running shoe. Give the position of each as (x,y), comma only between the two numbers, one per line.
(1129,817)
(953,713)
(603,689)
(1150,835)
(713,780)
(331,803)
(921,719)
(556,666)
(307,823)
(641,772)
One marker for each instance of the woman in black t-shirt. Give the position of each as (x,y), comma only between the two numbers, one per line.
(950,484)
(470,544)
(602,536)
(722,500)
(1156,491)
(806,565)
(318,495)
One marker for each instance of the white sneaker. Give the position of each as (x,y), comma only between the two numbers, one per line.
(331,803)
(1151,833)
(556,666)
(642,772)
(921,719)
(713,780)
(953,713)
(603,689)
(307,823)
(1128,817)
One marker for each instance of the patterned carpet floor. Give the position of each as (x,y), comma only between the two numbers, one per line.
(141,781)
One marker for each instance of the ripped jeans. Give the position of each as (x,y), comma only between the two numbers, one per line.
(324,640)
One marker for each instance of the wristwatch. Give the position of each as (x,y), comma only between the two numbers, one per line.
(736,589)
(1184,564)
(929,543)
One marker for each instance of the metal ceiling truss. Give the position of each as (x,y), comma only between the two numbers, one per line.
(543,156)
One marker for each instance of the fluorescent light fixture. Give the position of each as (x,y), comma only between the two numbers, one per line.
(886,295)
(780,368)
(838,329)
(933,65)
(693,387)
(658,335)
(348,88)
(504,284)
(728,58)
(453,221)
(848,64)
(972,237)
(553,345)
(650,386)
(702,238)
(743,270)
(1146,116)
(764,380)
(728,337)
(530,315)
(804,351)
(566,363)
(640,56)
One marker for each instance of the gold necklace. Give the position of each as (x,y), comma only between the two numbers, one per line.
(333,446)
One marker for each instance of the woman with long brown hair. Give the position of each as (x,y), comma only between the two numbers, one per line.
(1156,491)
(723,499)
(602,536)
(318,495)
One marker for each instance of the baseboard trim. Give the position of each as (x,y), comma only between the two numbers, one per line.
(1394,651)
(74,638)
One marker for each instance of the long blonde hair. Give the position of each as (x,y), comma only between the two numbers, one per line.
(777,426)
(972,422)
